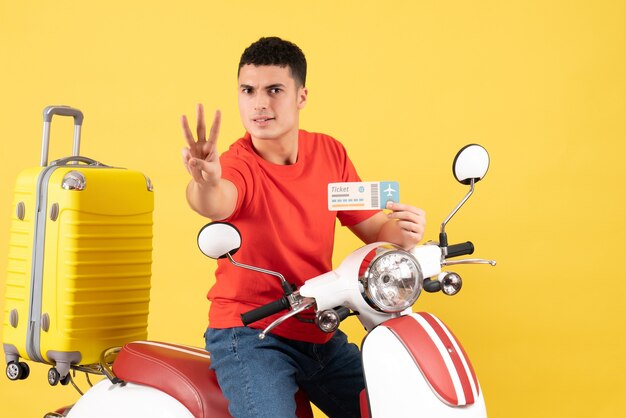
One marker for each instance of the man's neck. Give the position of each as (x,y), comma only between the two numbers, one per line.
(280,151)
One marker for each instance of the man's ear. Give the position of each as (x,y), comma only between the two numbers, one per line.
(302,97)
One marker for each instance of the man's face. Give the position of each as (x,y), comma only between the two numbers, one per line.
(270,101)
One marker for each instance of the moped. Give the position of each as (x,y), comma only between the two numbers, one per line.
(413,364)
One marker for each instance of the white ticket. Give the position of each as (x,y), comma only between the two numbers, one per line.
(362,195)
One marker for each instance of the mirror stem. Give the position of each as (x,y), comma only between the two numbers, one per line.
(443,238)
(286,286)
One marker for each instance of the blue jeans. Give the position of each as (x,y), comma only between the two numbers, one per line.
(260,377)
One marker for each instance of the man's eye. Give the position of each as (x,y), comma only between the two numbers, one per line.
(275,90)
(246,90)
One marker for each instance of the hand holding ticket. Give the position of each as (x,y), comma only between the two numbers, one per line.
(362,195)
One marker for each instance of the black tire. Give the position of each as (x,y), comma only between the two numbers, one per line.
(53,377)
(66,380)
(25,370)
(14,371)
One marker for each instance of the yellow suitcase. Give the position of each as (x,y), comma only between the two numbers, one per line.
(80,255)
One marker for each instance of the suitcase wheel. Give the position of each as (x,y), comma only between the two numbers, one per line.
(17,371)
(54,377)
(66,380)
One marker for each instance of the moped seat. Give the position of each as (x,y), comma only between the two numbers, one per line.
(182,372)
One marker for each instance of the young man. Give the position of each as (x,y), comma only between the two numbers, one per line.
(272,185)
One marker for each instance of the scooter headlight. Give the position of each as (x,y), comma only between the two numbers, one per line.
(392,282)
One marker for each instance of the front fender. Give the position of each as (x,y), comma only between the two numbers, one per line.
(414,366)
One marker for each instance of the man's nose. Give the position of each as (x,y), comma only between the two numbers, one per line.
(260,101)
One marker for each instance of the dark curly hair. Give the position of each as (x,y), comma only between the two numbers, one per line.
(275,51)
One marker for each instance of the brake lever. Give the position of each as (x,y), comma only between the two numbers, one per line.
(468,261)
(305,303)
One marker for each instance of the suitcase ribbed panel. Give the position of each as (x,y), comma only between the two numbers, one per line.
(102,244)
(105,298)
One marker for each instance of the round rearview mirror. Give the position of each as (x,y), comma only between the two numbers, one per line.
(217,239)
(470,163)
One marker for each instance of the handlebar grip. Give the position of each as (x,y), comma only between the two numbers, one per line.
(343,312)
(264,311)
(456,250)
(432,285)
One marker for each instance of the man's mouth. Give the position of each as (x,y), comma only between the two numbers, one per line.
(262,119)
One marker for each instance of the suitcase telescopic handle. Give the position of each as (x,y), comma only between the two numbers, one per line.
(50,111)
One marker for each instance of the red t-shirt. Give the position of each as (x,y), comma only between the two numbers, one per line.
(282,214)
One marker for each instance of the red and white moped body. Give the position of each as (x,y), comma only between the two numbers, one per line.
(413,365)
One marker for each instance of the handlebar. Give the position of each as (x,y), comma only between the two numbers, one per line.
(454,250)
(265,311)
(457,250)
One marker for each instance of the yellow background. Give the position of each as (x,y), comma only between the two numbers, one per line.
(541,84)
